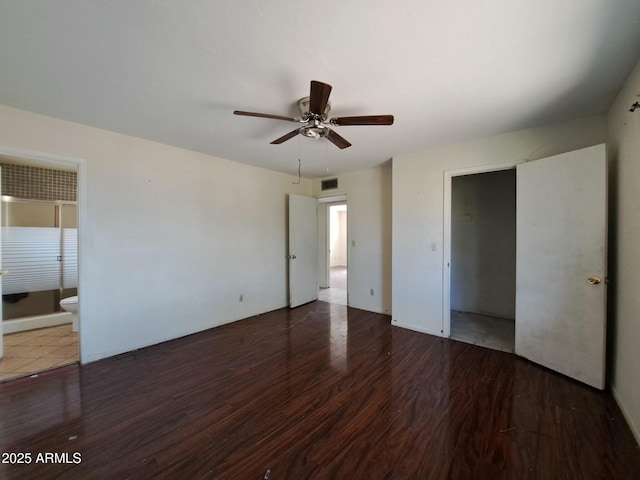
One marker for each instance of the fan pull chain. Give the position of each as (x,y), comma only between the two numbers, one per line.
(299,164)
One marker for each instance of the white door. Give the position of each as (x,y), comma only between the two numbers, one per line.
(1,273)
(561,232)
(303,250)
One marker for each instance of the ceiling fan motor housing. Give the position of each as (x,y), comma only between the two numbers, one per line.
(303,106)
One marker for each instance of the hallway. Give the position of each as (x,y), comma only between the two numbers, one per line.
(337,292)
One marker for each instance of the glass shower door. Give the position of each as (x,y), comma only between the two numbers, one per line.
(39,247)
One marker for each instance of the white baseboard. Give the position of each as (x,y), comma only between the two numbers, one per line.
(417,328)
(635,430)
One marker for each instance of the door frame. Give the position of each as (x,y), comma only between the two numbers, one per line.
(49,160)
(446,241)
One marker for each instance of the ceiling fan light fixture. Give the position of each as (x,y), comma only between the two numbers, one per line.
(314,131)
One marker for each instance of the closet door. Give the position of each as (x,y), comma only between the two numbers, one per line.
(561,231)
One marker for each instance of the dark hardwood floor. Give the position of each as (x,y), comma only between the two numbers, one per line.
(319,392)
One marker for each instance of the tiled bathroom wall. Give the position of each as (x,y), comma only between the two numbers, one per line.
(23,181)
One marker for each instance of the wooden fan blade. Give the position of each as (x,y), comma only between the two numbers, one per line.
(363,120)
(337,140)
(264,115)
(319,97)
(286,137)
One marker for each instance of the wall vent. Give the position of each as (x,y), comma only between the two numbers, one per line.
(330,184)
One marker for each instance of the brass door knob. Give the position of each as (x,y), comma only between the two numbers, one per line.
(593,280)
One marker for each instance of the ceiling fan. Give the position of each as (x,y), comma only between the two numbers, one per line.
(314,112)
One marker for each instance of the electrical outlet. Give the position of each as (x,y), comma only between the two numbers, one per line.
(241,298)
(371,291)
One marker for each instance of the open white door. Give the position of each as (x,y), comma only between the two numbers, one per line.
(303,250)
(561,231)
(1,273)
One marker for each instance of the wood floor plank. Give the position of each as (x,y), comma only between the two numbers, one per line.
(322,392)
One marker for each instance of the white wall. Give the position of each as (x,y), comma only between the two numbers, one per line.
(418,203)
(338,237)
(169,239)
(483,243)
(369,226)
(624,331)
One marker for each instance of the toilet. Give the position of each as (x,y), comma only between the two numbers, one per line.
(70,304)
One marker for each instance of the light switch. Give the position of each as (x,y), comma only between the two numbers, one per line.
(434,246)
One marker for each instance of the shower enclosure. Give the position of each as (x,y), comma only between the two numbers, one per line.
(40,250)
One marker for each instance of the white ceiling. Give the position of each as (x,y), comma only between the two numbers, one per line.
(450,71)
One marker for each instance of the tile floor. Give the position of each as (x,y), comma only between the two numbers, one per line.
(483,330)
(338,292)
(338,277)
(33,351)
(333,295)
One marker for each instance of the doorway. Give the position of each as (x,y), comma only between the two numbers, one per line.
(561,252)
(333,288)
(40,261)
(483,259)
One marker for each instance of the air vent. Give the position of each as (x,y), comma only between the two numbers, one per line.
(330,184)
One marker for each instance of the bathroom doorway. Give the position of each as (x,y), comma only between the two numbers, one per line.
(333,287)
(483,259)
(39,232)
